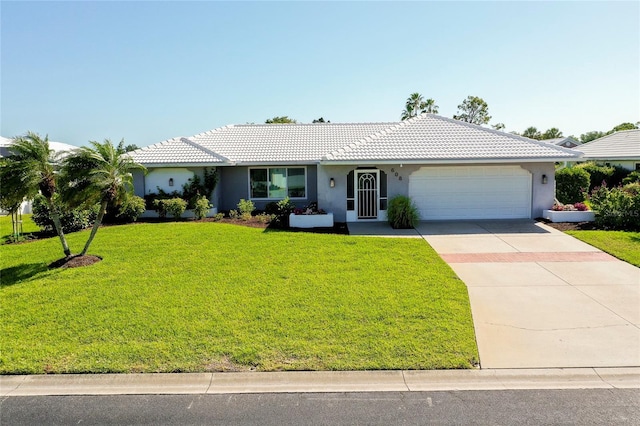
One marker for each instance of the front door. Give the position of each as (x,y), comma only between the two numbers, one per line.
(367,194)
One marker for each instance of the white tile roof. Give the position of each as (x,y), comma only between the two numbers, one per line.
(430,137)
(176,151)
(260,143)
(618,145)
(423,138)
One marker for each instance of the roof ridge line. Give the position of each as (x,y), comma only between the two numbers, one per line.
(204,149)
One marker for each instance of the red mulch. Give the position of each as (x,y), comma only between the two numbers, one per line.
(75,261)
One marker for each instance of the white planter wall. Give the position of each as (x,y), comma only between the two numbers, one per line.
(311,220)
(569,216)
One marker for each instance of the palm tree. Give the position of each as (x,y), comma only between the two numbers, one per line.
(101,174)
(532,133)
(552,133)
(417,105)
(31,169)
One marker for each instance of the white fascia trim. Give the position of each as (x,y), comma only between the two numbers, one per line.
(276,163)
(452,161)
(148,165)
(628,158)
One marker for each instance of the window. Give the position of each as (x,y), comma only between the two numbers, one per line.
(278,182)
(638,166)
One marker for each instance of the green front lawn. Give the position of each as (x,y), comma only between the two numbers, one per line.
(191,296)
(6,228)
(621,244)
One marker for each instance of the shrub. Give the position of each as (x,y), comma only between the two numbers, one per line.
(571,183)
(245,207)
(611,175)
(72,220)
(618,207)
(283,209)
(197,187)
(201,208)
(632,177)
(402,213)
(174,207)
(233,214)
(218,217)
(129,211)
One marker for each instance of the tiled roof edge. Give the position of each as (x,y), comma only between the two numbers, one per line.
(208,151)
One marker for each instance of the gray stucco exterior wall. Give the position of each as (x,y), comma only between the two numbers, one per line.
(234,185)
(334,199)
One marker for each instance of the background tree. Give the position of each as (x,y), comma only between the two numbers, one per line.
(624,126)
(589,136)
(473,110)
(122,148)
(498,126)
(280,120)
(320,120)
(31,169)
(532,133)
(99,174)
(552,133)
(416,104)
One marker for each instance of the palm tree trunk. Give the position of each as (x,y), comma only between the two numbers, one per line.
(96,225)
(55,217)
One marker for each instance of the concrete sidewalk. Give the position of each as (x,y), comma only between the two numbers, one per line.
(318,382)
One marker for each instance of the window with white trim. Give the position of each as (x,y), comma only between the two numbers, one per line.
(276,183)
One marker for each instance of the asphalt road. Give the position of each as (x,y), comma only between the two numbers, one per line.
(509,407)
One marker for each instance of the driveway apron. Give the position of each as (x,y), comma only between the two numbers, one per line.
(541,298)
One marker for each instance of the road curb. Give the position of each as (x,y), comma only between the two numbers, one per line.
(319,381)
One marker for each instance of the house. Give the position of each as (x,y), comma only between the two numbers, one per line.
(451,169)
(567,142)
(617,149)
(58,147)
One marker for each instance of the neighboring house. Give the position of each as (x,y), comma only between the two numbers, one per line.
(567,142)
(617,149)
(451,169)
(5,143)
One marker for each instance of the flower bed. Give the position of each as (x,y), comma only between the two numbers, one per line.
(311,220)
(152,214)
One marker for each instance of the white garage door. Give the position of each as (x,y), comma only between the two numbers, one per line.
(471,192)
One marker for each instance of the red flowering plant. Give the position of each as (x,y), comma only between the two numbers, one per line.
(312,208)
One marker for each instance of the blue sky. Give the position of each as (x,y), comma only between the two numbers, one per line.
(149,71)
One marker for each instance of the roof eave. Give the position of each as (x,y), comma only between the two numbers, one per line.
(174,164)
(451,161)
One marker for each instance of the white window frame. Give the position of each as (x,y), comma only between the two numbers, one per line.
(306,186)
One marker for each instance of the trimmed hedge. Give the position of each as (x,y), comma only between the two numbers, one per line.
(571,184)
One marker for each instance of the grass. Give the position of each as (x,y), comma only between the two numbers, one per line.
(621,244)
(6,228)
(191,296)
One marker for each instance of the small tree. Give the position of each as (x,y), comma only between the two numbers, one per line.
(30,169)
(99,174)
(473,110)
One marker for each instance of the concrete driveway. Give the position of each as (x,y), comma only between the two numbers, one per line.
(541,298)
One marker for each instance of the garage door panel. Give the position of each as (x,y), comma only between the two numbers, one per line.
(471,192)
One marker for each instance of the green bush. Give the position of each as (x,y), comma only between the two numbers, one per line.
(246,207)
(197,187)
(201,208)
(571,184)
(402,213)
(129,211)
(174,207)
(611,175)
(632,177)
(72,220)
(280,214)
(617,208)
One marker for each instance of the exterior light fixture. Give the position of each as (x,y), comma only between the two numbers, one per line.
(544,179)
(170,181)
(332,183)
